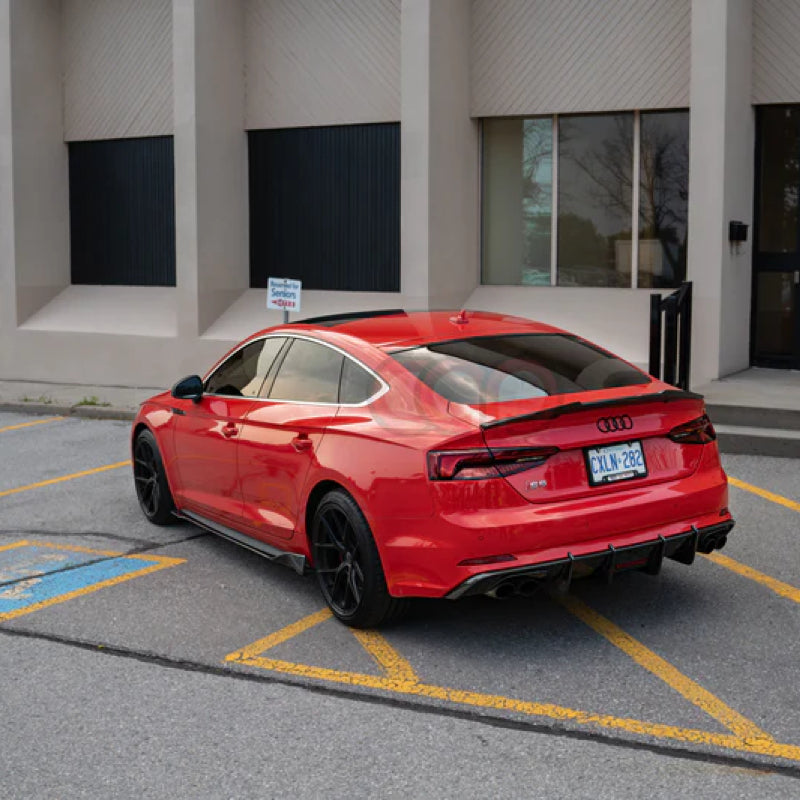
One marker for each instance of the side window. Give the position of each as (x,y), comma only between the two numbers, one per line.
(244,372)
(357,384)
(309,373)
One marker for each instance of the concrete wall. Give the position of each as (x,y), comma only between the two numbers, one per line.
(545,57)
(435,65)
(39,156)
(8,277)
(439,157)
(776,55)
(720,185)
(210,161)
(117,65)
(321,63)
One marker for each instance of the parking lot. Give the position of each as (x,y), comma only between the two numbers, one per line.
(652,675)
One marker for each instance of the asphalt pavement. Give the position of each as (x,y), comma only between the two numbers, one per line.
(144,661)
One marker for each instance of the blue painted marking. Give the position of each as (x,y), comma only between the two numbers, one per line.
(31,560)
(38,588)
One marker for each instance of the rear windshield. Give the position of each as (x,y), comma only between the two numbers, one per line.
(496,369)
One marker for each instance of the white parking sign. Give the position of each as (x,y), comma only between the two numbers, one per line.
(283,294)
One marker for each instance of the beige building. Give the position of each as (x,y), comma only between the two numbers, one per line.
(558,159)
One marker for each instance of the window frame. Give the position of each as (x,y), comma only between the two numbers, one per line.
(222,364)
(276,365)
(555,177)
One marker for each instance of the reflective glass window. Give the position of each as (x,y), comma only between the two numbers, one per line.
(663,198)
(242,374)
(517,201)
(309,373)
(357,385)
(496,369)
(779,130)
(595,179)
(775,314)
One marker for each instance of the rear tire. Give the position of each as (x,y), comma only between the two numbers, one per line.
(152,489)
(348,566)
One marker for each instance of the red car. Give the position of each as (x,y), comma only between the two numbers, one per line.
(434,454)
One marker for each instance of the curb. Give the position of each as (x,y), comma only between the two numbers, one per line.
(81,411)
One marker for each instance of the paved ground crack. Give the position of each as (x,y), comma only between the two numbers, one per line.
(754,763)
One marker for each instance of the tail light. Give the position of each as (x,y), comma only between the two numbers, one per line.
(479,463)
(698,431)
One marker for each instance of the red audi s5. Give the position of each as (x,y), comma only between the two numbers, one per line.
(434,454)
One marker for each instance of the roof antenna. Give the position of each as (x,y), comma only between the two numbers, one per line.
(460,318)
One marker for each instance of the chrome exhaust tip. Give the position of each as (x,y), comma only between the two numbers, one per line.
(503,591)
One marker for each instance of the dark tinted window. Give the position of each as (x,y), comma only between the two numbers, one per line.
(501,368)
(357,384)
(122,212)
(310,373)
(325,206)
(244,372)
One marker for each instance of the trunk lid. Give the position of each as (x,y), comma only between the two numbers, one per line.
(606,442)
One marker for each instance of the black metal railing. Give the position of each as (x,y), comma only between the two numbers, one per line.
(674,315)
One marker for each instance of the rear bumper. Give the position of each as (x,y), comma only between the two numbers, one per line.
(645,556)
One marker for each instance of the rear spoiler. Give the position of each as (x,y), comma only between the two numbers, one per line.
(667,396)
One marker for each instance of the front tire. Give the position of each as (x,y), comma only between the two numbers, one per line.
(152,489)
(348,566)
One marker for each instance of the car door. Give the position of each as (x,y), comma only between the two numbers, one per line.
(207,432)
(279,437)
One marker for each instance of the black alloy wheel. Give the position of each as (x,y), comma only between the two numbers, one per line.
(152,488)
(348,566)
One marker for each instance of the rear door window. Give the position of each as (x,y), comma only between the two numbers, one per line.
(496,369)
(309,373)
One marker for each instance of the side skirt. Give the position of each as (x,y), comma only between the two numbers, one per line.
(293,560)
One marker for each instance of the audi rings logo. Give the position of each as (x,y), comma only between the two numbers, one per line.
(614,424)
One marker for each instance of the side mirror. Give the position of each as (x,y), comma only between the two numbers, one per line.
(190,388)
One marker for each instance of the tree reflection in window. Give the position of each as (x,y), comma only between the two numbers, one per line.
(663,198)
(595,213)
(594,200)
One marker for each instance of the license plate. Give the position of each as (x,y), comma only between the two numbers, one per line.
(615,462)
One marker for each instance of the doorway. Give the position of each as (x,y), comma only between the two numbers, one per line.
(775,334)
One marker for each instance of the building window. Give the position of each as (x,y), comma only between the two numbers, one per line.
(517,201)
(663,198)
(122,212)
(325,207)
(594,200)
(606,207)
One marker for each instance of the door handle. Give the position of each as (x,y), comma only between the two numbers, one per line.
(301,442)
(229,430)
(797,277)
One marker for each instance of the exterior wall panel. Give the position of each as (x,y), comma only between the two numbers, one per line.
(776,56)
(321,63)
(117,68)
(544,57)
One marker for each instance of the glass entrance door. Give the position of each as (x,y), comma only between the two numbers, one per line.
(776,260)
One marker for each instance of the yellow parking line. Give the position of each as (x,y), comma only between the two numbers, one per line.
(28,424)
(283,635)
(779,587)
(760,744)
(65,478)
(77,549)
(775,498)
(740,726)
(13,545)
(389,660)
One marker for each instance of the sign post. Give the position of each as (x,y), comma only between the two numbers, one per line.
(284,293)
